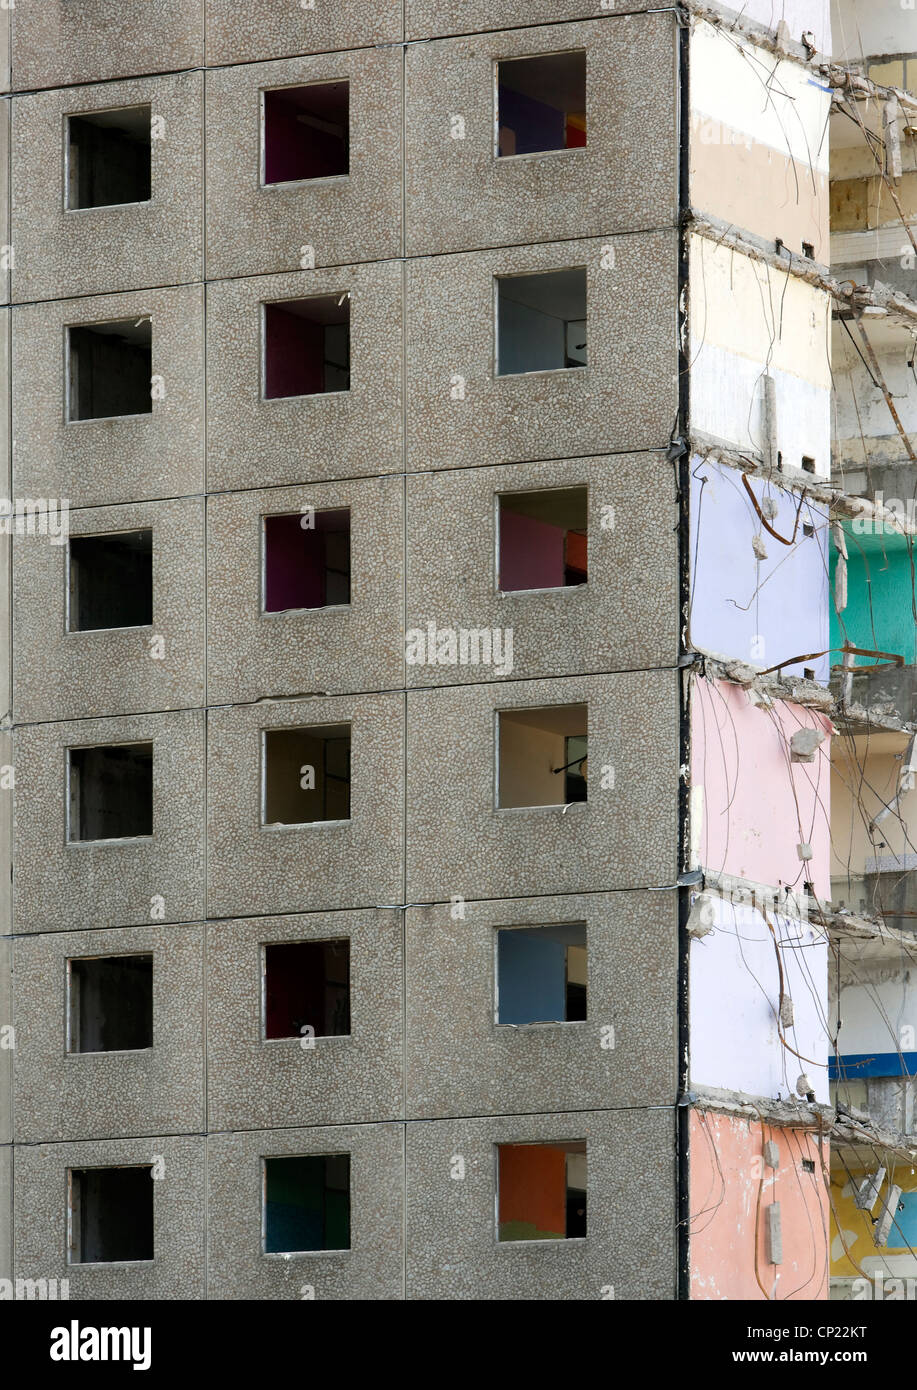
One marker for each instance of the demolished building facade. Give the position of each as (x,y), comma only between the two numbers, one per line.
(457,777)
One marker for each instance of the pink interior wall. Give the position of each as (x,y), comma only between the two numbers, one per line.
(740,755)
(726,1193)
(294,354)
(531,552)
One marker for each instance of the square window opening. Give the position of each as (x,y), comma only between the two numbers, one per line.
(542,756)
(111,1214)
(110,369)
(307,346)
(306,775)
(111,792)
(307,986)
(307,132)
(541,1191)
(111,581)
(109,158)
(541,321)
(111,1004)
(306,566)
(306,1203)
(543,539)
(541,103)
(541,974)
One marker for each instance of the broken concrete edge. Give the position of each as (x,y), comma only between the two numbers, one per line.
(852,927)
(857,86)
(895,305)
(845,1126)
(784,1114)
(775,40)
(845,506)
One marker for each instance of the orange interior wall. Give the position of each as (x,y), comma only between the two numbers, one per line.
(533,1185)
(726,1191)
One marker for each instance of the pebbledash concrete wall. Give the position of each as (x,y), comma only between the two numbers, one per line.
(415,234)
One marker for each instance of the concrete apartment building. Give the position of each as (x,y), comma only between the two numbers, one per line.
(438,639)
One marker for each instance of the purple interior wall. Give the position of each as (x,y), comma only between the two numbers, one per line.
(294,354)
(294,560)
(531,552)
(293,150)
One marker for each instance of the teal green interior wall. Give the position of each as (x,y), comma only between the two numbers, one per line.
(880,588)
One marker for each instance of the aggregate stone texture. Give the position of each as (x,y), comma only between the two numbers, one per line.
(61,674)
(6,1209)
(6,837)
(426,18)
(6,1053)
(106,1095)
(372,1268)
(625,836)
(125,458)
(61,886)
(460,1061)
(5,51)
(41,1209)
(4,194)
(56,43)
(247,30)
(255,442)
(256,868)
(460,195)
(452,1246)
(344,218)
(460,413)
(344,647)
(5,395)
(258,1083)
(624,617)
(63,252)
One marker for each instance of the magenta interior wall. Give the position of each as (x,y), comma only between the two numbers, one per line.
(531,552)
(294,354)
(740,755)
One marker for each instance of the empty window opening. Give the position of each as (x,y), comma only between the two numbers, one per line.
(307,1203)
(306,566)
(307,346)
(808,464)
(111,581)
(542,756)
(541,321)
(111,1004)
(109,158)
(543,539)
(111,792)
(307,132)
(541,103)
(111,366)
(541,1191)
(307,985)
(541,974)
(306,775)
(111,1214)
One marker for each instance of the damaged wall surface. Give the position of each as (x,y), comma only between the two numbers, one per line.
(753,805)
(758,984)
(752,598)
(732,1190)
(759,148)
